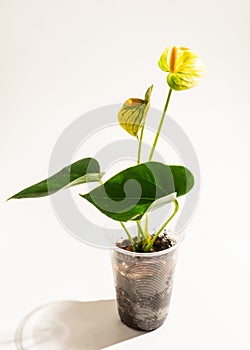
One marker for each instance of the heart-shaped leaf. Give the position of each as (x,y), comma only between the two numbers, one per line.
(82,171)
(130,193)
(133,113)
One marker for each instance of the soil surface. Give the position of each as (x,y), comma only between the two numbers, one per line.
(164,241)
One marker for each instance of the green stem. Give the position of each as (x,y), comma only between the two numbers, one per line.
(150,245)
(139,236)
(140,144)
(140,229)
(128,234)
(146,223)
(160,126)
(146,100)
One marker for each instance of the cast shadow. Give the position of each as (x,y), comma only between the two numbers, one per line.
(73,325)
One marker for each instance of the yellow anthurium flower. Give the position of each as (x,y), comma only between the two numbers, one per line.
(184,66)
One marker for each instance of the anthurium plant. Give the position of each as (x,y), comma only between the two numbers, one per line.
(130,194)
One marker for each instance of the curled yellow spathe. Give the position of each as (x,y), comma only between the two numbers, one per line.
(184,66)
(133,113)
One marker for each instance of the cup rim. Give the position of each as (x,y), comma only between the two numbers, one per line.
(179,239)
(148,255)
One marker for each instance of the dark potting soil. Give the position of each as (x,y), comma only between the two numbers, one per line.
(164,241)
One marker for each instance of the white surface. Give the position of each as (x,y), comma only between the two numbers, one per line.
(60,59)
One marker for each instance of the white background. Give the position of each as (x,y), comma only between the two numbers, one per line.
(60,59)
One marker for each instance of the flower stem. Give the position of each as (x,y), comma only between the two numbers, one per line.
(140,144)
(160,125)
(151,243)
(140,229)
(146,223)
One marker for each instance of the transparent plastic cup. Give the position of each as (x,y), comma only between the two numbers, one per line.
(143,283)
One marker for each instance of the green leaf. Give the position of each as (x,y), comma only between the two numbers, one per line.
(82,171)
(133,113)
(130,193)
